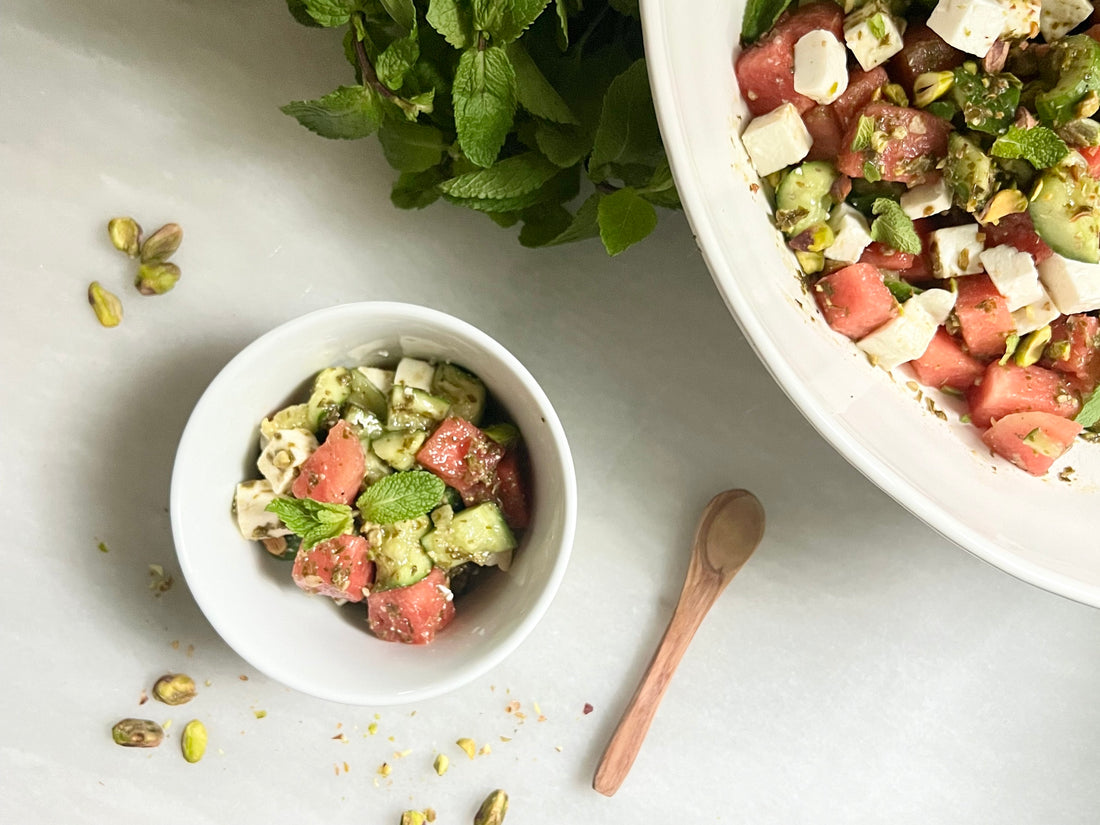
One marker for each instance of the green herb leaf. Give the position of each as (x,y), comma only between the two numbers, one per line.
(585,223)
(300,13)
(628,130)
(627,7)
(514,18)
(403,12)
(509,178)
(397,59)
(563,22)
(625,218)
(542,223)
(760,16)
(877,26)
(329,13)
(400,497)
(314,521)
(1090,410)
(411,147)
(661,188)
(563,144)
(485,102)
(1039,146)
(1011,343)
(349,112)
(864,129)
(453,20)
(901,290)
(893,227)
(415,190)
(533,90)
(415,105)
(871,172)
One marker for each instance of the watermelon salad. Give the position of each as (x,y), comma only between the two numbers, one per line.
(935,168)
(384,487)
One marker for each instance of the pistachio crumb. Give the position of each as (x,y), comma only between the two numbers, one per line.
(485,750)
(372,728)
(259,714)
(384,769)
(506,739)
(467,745)
(341,737)
(441,764)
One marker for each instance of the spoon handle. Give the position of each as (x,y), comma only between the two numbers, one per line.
(625,743)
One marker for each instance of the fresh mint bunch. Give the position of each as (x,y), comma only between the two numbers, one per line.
(535,112)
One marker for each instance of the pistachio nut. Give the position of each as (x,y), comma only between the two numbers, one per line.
(1031,348)
(895,93)
(174,689)
(493,809)
(413,818)
(931,86)
(811,262)
(441,764)
(1005,202)
(193,742)
(156,279)
(137,733)
(125,235)
(107,306)
(160,246)
(467,745)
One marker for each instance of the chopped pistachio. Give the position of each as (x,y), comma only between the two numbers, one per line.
(493,809)
(137,733)
(260,714)
(107,306)
(384,769)
(811,262)
(125,234)
(467,745)
(193,742)
(441,764)
(931,86)
(1031,348)
(174,689)
(413,818)
(161,245)
(156,278)
(1005,202)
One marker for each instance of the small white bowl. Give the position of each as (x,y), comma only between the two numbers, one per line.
(307,642)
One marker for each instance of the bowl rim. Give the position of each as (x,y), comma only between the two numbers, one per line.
(476,666)
(705,228)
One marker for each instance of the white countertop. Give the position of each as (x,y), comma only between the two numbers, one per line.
(860,669)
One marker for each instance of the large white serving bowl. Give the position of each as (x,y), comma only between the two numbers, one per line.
(1045,531)
(308,642)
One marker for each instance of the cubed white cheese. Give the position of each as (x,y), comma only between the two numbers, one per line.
(972,26)
(956,250)
(1074,286)
(852,234)
(873,34)
(1014,274)
(283,454)
(412,372)
(382,379)
(938,303)
(820,66)
(926,199)
(1035,315)
(1021,18)
(253,520)
(1059,16)
(777,139)
(902,338)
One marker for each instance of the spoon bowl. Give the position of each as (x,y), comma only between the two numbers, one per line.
(729,530)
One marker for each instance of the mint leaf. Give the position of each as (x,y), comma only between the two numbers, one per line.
(314,521)
(877,26)
(563,23)
(585,223)
(563,144)
(401,496)
(1039,146)
(893,227)
(397,59)
(403,12)
(533,90)
(627,7)
(415,190)
(661,188)
(1090,410)
(330,13)
(414,105)
(298,10)
(411,147)
(864,129)
(760,16)
(453,20)
(507,179)
(515,16)
(625,218)
(628,124)
(485,102)
(543,223)
(349,112)
(901,290)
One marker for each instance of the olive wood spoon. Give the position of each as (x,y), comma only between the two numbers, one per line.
(731,527)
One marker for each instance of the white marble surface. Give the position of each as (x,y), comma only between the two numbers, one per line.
(861,669)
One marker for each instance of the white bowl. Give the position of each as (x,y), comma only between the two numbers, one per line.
(307,642)
(1045,531)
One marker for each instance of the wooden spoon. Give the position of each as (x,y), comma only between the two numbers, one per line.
(729,531)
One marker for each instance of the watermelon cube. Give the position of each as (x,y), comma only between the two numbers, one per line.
(854,300)
(1076,340)
(412,615)
(511,489)
(1031,440)
(339,568)
(335,470)
(1007,389)
(984,318)
(946,364)
(464,457)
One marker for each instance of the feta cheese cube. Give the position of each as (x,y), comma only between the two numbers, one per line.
(382,379)
(820,66)
(283,454)
(1035,315)
(253,520)
(1073,286)
(956,251)
(972,26)
(926,200)
(902,338)
(1014,274)
(873,34)
(1059,16)
(777,139)
(852,234)
(413,372)
(1021,18)
(938,303)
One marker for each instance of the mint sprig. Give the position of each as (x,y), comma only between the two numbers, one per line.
(314,521)
(1089,415)
(1039,146)
(400,497)
(760,16)
(893,227)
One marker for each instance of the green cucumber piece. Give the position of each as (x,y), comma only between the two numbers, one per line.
(398,447)
(1065,208)
(331,389)
(803,197)
(969,173)
(504,434)
(414,409)
(365,395)
(400,558)
(295,417)
(472,535)
(988,101)
(464,390)
(1075,62)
